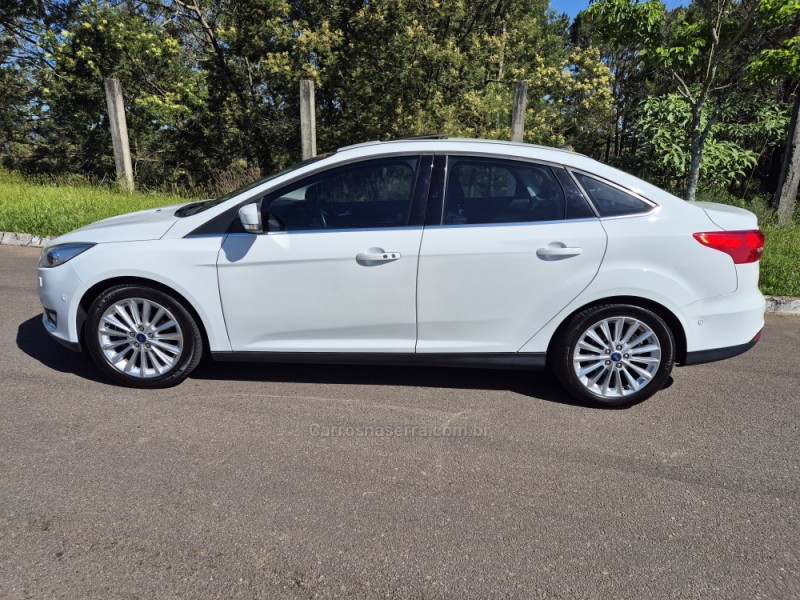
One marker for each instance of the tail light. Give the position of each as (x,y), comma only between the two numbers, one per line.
(742,246)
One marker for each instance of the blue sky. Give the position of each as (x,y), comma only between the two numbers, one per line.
(573,7)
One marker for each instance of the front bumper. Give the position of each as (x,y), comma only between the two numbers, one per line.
(60,292)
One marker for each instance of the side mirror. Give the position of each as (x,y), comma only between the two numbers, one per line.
(250,216)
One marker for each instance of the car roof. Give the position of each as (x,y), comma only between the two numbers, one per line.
(441,140)
(500,148)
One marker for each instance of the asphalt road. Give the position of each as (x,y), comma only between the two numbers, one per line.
(228,487)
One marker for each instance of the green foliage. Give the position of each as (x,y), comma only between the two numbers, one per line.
(55,209)
(663,125)
(162,90)
(404,68)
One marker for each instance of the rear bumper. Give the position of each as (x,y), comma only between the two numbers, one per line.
(718,325)
(705,356)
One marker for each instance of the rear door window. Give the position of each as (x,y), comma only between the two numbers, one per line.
(480,191)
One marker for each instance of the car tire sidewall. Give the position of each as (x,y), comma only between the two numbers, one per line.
(192,338)
(575,329)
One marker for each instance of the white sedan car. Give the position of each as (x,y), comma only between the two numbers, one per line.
(438,252)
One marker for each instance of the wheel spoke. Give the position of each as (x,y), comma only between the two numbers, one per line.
(134,308)
(142,362)
(596,338)
(131,360)
(114,344)
(631,381)
(618,325)
(606,332)
(146,306)
(112,320)
(114,359)
(120,310)
(584,345)
(590,368)
(604,389)
(650,360)
(631,330)
(167,325)
(162,358)
(593,380)
(643,372)
(167,347)
(640,338)
(644,349)
(157,317)
(168,336)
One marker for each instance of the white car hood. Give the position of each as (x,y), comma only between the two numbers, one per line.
(150,224)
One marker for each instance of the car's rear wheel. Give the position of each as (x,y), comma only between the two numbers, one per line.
(142,337)
(614,355)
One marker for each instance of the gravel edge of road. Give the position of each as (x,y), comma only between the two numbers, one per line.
(781,305)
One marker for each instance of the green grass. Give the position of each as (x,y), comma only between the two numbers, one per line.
(780,265)
(55,209)
(49,209)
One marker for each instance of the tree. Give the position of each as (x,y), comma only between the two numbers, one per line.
(700,47)
(781,60)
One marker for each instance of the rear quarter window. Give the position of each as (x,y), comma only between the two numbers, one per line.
(611,201)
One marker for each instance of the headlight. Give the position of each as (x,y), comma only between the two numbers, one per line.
(58,255)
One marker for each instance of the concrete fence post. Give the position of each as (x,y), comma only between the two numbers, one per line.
(119,133)
(518,110)
(308,120)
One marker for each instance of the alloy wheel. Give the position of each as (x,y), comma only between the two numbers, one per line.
(140,338)
(616,357)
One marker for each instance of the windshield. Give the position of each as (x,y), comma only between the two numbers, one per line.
(196,207)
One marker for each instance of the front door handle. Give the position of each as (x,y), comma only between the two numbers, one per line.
(376,255)
(555,252)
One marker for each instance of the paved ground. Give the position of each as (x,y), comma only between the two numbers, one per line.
(226,486)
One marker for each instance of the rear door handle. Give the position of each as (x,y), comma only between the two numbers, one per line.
(376,255)
(558,252)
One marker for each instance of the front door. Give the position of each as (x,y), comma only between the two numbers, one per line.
(338,271)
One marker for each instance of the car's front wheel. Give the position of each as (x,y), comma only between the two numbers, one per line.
(142,337)
(614,355)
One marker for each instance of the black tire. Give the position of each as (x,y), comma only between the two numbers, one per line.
(618,366)
(151,371)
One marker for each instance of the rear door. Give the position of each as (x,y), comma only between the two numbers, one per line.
(508,244)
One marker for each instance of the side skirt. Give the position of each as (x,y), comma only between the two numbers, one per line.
(504,360)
